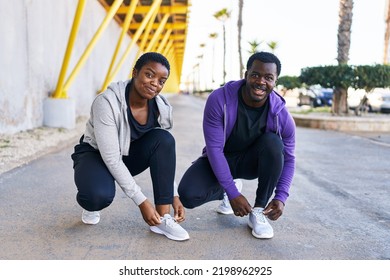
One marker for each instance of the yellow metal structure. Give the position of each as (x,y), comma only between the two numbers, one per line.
(59,92)
(152,25)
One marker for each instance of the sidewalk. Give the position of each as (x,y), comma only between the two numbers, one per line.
(326,217)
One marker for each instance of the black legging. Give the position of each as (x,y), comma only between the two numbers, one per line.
(263,160)
(95,184)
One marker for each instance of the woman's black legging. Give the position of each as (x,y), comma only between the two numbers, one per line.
(263,160)
(95,184)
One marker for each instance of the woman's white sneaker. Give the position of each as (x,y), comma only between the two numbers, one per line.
(90,218)
(171,229)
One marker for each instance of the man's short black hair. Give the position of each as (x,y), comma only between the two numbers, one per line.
(152,57)
(265,57)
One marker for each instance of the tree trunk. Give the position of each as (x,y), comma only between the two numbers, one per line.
(387,34)
(340,105)
(224,54)
(239,26)
(339,102)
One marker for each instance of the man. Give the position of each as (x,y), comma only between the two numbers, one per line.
(249,134)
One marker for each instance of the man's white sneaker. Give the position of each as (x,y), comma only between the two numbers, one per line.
(225,207)
(259,224)
(90,218)
(171,229)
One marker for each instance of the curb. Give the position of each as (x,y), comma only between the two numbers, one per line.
(344,124)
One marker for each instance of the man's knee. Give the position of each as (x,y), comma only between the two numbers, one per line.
(187,200)
(272,141)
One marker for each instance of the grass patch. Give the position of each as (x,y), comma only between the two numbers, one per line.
(4,143)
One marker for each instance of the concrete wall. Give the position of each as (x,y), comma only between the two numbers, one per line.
(33,39)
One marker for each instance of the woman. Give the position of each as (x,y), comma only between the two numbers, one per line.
(127,132)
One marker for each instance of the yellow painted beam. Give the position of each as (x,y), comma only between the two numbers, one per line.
(163,42)
(157,33)
(129,17)
(88,50)
(162,10)
(173,83)
(167,47)
(136,36)
(144,40)
(178,37)
(59,92)
(177,25)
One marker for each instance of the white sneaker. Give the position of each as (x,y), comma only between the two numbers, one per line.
(171,229)
(259,224)
(225,207)
(90,218)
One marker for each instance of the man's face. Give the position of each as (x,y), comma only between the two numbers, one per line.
(150,79)
(260,80)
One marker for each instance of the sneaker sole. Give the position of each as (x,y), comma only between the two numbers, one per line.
(91,222)
(262,236)
(170,236)
(224,212)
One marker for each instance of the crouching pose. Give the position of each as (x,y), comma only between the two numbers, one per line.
(128,132)
(249,134)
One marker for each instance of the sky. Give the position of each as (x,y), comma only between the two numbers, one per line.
(305,31)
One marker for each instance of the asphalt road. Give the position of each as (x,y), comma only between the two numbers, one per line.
(339,207)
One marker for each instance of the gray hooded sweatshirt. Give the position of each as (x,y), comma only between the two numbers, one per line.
(108,131)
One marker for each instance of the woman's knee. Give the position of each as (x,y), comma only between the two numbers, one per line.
(95,200)
(165,138)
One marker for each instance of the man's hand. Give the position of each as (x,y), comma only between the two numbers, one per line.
(274,209)
(149,213)
(179,212)
(240,206)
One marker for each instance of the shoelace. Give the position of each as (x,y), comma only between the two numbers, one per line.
(170,222)
(259,216)
(225,201)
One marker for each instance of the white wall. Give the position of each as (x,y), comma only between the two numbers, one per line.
(33,38)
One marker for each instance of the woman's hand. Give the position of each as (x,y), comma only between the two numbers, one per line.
(149,213)
(179,211)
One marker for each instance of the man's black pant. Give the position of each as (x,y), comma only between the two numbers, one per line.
(263,160)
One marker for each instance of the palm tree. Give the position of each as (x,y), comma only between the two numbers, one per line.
(272,45)
(202,46)
(387,33)
(239,27)
(223,15)
(340,105)
(213,36)
(254,46)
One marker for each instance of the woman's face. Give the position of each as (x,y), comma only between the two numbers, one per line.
(150,79)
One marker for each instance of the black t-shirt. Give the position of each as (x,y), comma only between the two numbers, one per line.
(137,129)
(250,125)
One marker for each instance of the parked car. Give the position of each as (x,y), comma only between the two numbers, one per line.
(316,97)
(385,106)
(378,100)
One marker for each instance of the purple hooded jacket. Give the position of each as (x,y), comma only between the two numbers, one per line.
(219,117)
